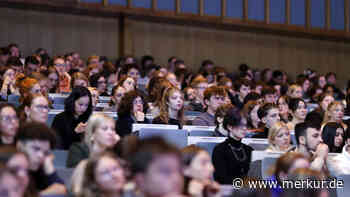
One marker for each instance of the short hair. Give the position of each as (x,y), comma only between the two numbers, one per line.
(94,79)
(36,131)
(221,112)
(197,80)
(237,85)
(69,103)
(293,103)
(251,96)
(90,58)
(125,69)
(267,90)
(78,76)
(207,62)
(213,91)
(265,108)
(189,153)
(147,151)
(232,118)
(300,129)
(292,88)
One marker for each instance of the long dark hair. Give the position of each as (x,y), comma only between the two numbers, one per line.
(69,103)
(328,135)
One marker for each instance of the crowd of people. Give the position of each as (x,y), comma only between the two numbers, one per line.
(110,161)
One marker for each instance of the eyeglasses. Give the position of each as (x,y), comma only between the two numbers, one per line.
(42,107)
(9,118)
(60,65)
(108,173)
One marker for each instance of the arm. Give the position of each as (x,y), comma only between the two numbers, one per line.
(221,166)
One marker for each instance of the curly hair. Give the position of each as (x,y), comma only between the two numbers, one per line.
(126,104)
(164,107)
(69,103)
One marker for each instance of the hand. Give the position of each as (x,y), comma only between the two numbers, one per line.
(212,189)
(48,166)
(140,116)
(195,188)
(322,151)
(80,128)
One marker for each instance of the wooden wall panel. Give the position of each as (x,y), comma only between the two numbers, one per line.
(59,33)
(229,49)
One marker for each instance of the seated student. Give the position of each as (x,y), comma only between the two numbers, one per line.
(242,88)
(99,82)
(131,111)
(35,108)
(8,124)
(250,111)
(99,134)
(103,175)
(295,91)
(268,114)
(8,85)
(309,143)
(324,100)
(79,79)
(156,168)
(28,86)
(199,84)
(220,113)
(37,140)
(214,97)
(171,108)
(298,108)
(285,165)
(283,107)
(18,162)
(9,184)
(268,94)
(155,89)
(70,123)
(335,113)
(333,136)
(279,138)
(198,171)
(118,92)
(231,158)
(340,164)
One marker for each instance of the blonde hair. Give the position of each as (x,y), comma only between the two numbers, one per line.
(327,116)
(94,121)
(292,89)
(273,132)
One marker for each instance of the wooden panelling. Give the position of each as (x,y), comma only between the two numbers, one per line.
(230,48)
(59,33)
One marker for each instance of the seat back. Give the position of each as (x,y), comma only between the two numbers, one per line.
(177,137)
(266,165)
(60,158)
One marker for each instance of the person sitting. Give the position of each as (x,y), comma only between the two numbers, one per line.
(171,108)
(333,136)
(118,92)
(99,135)
(8,124)
(340,164)
(35,108)
(213,98)
(37,140)
(298,108)
(198,171)
(242,88)
(70,124)
(279,138)
(335,113)
(268,114)
(231,158)
(220,113)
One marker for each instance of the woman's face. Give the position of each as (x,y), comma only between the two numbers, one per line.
(20,165)
(137,104)
(80,82)
(93,71)
(35,89)
(282,139)
(297,93)
(129,84)
(9,122)
(134,73)
(339,137)
(254,114)
(81,105)
(175,101)
(38,110)
(11,74)
(282,106)
(109,175)
(101,85)
(306,86)
(300,112)
(44,86)
(201,167)
(118,95)
(337,113)
(105,134)
(53,80)
(326,101)
(322,81)
(240,131)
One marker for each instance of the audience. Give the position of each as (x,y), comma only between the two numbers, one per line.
(8,124)
(279,138)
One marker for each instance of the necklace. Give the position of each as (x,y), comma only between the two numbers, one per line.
(236,151)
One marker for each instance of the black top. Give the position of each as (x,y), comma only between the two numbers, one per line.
(124,124)
(236,102)
(77,153)
(231,160)
(43,181)
(64,125)
(171,121)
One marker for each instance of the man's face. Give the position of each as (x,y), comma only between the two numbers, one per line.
(243,91)
(313,138)
(271,117)
(270,98)
(162,178)
(215,101)
(37,151)
(30,68)
(200,88)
